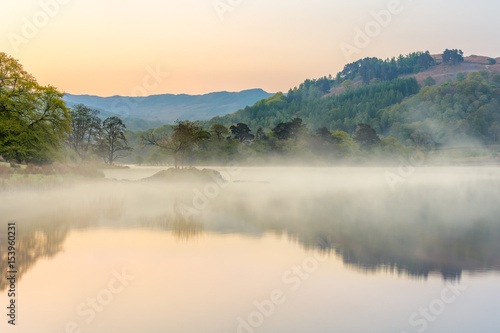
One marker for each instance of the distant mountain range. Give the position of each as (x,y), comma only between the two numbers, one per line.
(140,113)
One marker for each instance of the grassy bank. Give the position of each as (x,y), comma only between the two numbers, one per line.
(14,176)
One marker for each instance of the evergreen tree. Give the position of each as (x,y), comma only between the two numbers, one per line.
(241,132)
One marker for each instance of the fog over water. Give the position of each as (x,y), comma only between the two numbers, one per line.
(203,253)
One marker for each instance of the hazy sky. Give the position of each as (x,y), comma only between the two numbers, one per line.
(144,47)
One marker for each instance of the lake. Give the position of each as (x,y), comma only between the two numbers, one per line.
(271,250)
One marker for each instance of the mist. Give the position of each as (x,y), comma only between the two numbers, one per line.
(429,220)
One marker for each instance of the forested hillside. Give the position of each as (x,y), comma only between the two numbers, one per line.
(373,108)
(385,95)
(342,112)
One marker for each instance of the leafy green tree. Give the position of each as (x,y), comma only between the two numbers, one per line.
(460,76)
(180,143)
(220,131)
(112,143)
(492,61)
(85,129)
(34,120)
(429,81)
(366,136)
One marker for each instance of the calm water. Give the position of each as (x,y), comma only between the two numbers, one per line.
(274,250)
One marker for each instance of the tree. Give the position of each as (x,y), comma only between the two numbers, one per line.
(180,143)
(429,81)
(34,120)
(241,132)
(220,131)
(282,130)
(366,136)
(460,76)
(296,127)
(324,134)
(291,129)
(112,143)
(85,128)
(492,61)
(260,135)
(453,57)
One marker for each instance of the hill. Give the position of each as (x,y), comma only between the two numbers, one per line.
(141,113)
(372,110)
(372,91)
(443,73)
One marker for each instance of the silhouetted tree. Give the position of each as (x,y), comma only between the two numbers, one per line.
(285,131)
(366,136)
(260,135)
(241,132)
(453,57)
(85,128)
(112,143)
(282,131)
(324,133)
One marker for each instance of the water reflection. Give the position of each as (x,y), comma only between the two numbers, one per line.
(182,226)
(32,244)
(422,229)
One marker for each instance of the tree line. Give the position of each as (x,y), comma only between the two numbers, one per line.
(187,143)
(36,126)
(384,118)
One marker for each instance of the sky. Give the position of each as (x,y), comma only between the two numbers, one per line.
(148,47)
